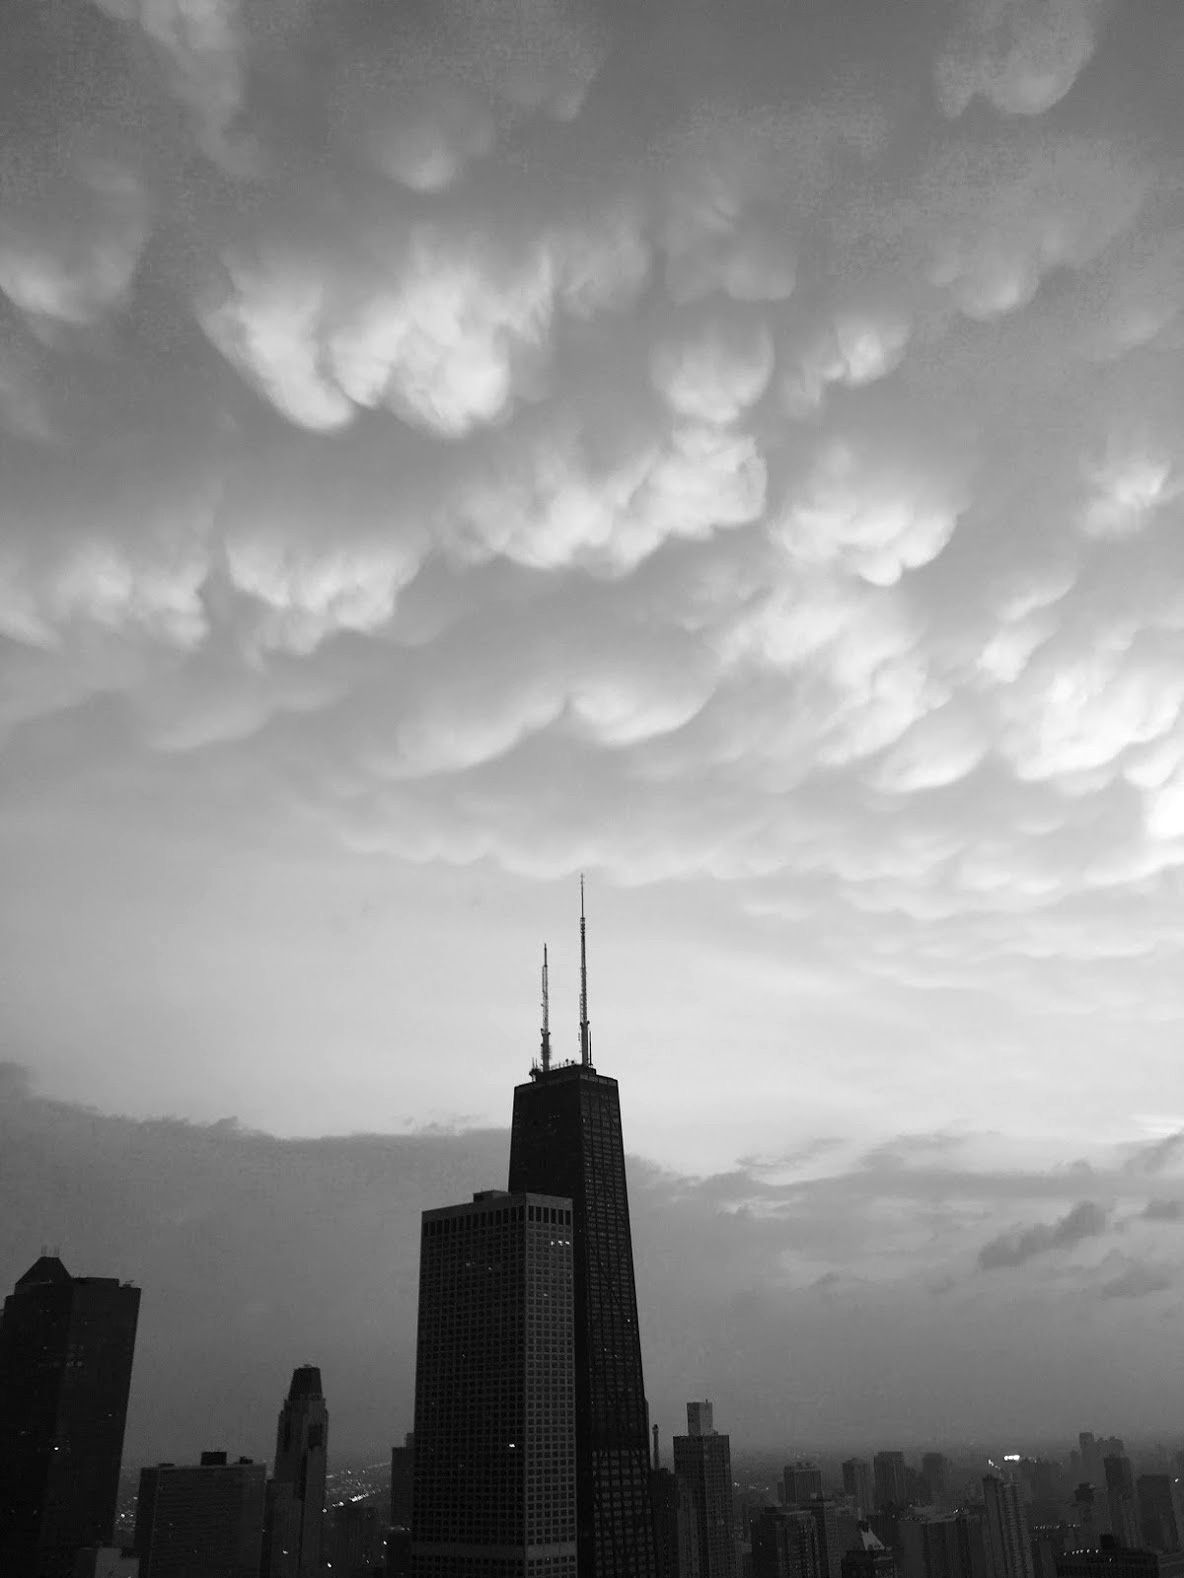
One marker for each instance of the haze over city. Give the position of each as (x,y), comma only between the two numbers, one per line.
(730,450)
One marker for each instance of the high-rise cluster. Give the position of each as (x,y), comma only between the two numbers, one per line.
(567,1160)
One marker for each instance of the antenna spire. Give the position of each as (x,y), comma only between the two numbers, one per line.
(546,1032)
(585,1032)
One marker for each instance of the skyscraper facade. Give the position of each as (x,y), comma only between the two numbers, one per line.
(933,1473)
(800,1481)
(402,1466)
(494,1477)
(890,1479)
(1120,1498)
(857,1483)
(66,1346)
(295,1500)
(826,1523)
(202,1519)
(703,1461)
(784,1545)
(1008,1541)
(566,1140)
(1160,1523)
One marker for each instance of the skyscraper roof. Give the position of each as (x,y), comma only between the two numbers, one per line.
(306,1382)
(46,1268)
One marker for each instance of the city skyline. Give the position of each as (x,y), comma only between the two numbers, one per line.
(727,447)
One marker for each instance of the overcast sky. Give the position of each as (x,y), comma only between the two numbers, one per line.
(732,448)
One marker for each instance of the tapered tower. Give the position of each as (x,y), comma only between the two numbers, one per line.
(566,1140)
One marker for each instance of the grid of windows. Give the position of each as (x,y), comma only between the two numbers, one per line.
(494,1477)
(566,1139)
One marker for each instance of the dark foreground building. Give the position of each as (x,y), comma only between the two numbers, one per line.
(66,1347)
(494,1475)
(201,1520)
(293,1524)
(566,1140)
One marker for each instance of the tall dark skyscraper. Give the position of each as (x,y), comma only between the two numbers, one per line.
(66,1347)
(703,1461)
(494,1473)
(566,1140)
(891,1485)
(800,1481)
(295,1507)
(857,1483)
(1120,1496)
(1009,1540)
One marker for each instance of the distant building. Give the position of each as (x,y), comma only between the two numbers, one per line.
(800,1481)
(66,1346)
(700,1419)
(1120,1499)
(890,1479)
(106,1561)
(293,1542)
(934,1469)
(1161,1527)
(1009,1542)
(1050,1540)
(826,1525)
(355,1540)
(494,1490)
(703,1461)
(784,1545)
(871,1562)
(1110,1560)
(675,1527)
(402,1472)
(857,1482)
(205,1519)
(948,1545)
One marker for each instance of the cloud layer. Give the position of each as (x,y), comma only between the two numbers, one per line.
(738,460)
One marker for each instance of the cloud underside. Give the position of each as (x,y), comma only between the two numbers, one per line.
(424,430)
(256,1254)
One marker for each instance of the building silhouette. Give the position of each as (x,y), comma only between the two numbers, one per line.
(857,1483)
(674,1526)
(826,1525)
(1110,1560)
(799,1482)
(494,1486)
(566,1140)
(948,1545)
(202,1519)
(933,1472)
(1120,1499)
(784,1544)
(294,1511)
(355,1540)
(106,1561)
(1161,1527)
(402,1468)
(1009,1541)
(703,1461)
(870,1558)
(890,1479)
(66,1346)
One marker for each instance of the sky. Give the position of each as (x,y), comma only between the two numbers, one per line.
(730,450)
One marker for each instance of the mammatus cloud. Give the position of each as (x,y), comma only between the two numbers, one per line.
(1022,56)
(1085,1220)
(497,443)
